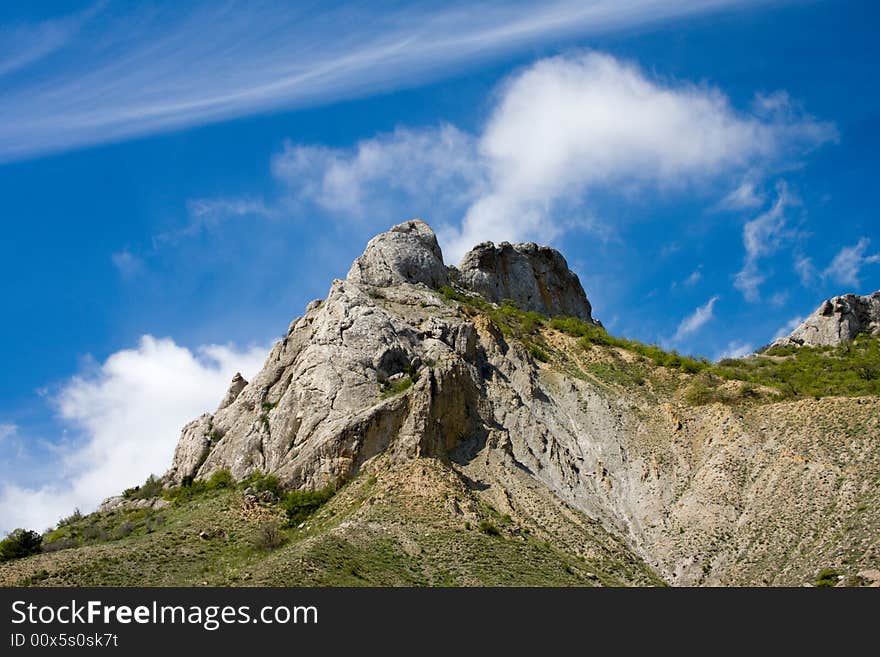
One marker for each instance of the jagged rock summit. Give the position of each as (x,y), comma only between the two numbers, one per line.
(839,319)
(321,406)
(533,277)
(407,253)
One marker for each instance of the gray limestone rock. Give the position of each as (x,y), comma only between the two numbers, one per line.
(407,253)
(235,388)
(837,320)
(533,277)
(192,448)
(382,364)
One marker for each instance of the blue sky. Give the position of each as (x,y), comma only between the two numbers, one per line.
(180,179)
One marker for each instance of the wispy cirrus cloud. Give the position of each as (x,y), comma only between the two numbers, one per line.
(7,429)
(696,320)
(137,69)
(763,236)
(846,266)
(745,197)
(127,263)
(24,45)
(207,214)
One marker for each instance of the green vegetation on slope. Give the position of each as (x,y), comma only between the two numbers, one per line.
(389,527)
(511,320)
(851,369)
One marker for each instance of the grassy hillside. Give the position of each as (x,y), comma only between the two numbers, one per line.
(414,523)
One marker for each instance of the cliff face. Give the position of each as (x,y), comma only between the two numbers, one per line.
(837,320)
(323,404)
(389,369)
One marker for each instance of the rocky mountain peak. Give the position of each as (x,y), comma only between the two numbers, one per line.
(324,401)
(837,320)
(407,253)
(533,277)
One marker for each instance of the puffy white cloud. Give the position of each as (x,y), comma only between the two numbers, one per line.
(559,129)
(763,236)
(421,170)
(129,414)
(567,125)
(696,320)
(846,267)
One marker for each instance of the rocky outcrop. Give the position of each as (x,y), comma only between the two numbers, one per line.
(235,388)
(192,448)
(328,398)
(837,320)
(408,253)
(120,503)
(533,277)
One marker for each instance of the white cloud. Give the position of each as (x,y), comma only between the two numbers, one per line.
(416,169)
(559,129)
(7,430)
(745,197)
(127,263)
(789,326)
(206,209)
(690,281)
(23,45)
(207,214)
(763,236)
(694,277)
(772,104)
(778,299)
(134,70)
(696,320)
(129,414)
(847,265)
(569,124)
(805,270)
(735,349)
